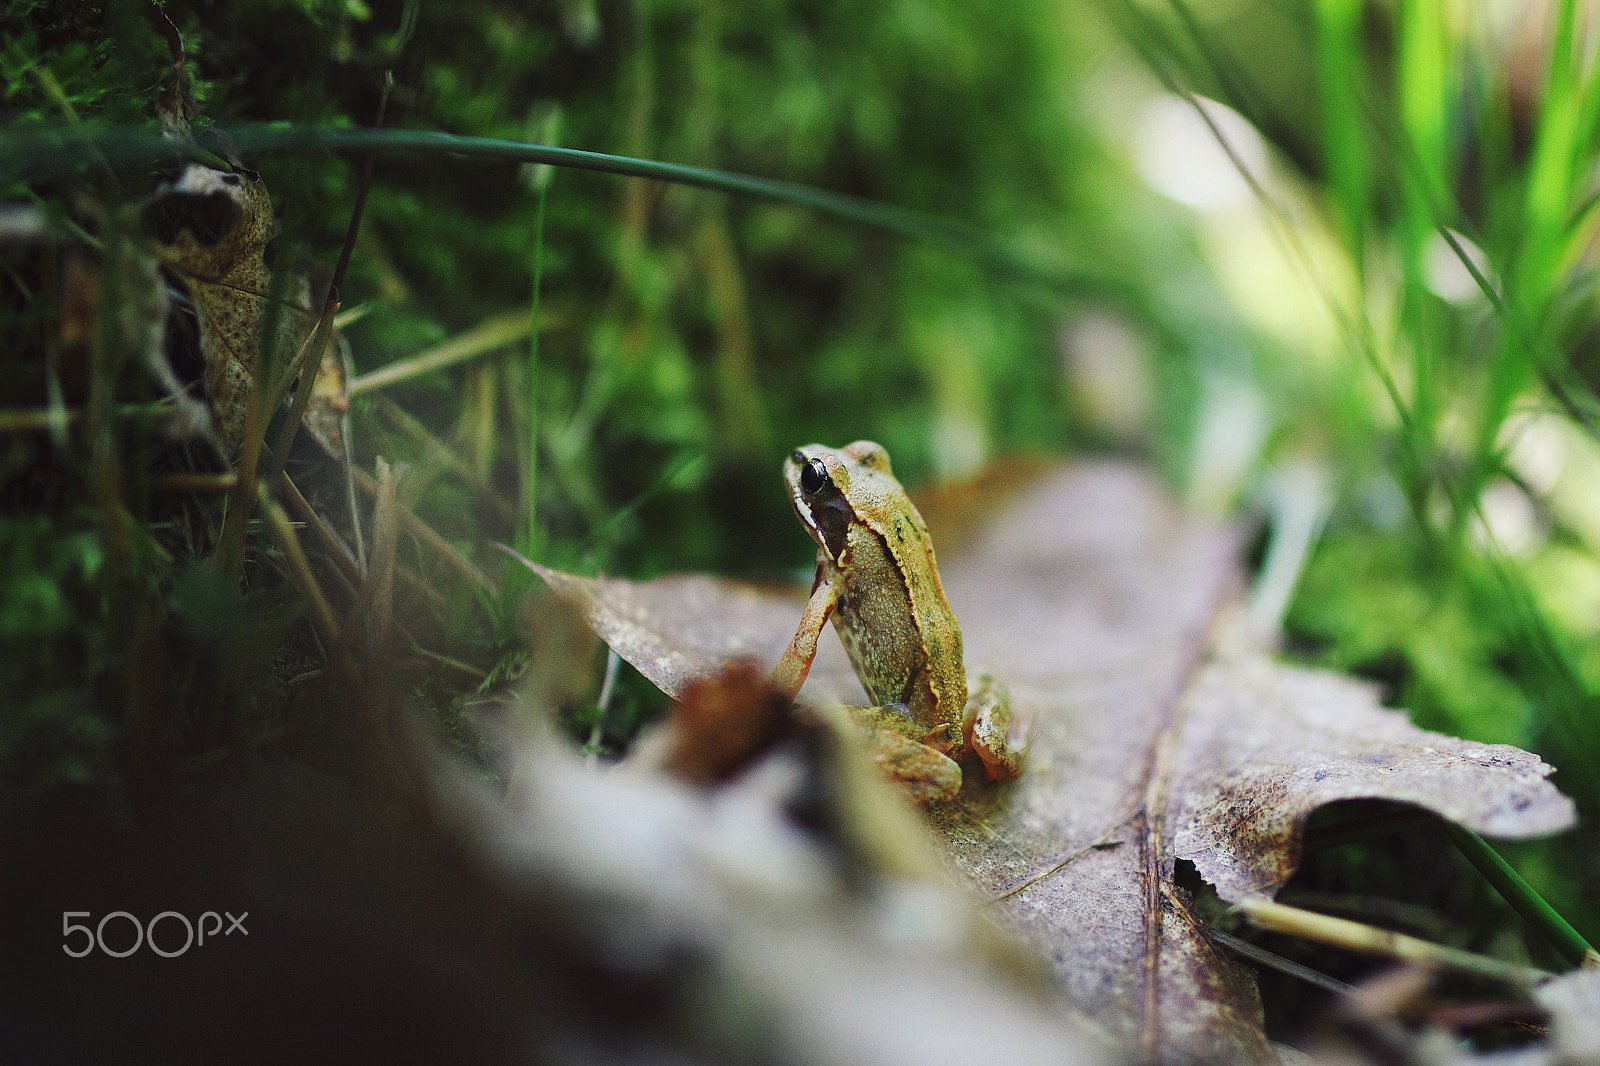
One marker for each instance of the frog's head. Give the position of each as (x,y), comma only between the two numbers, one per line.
(828,486)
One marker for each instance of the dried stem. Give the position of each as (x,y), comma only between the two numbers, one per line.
(1371,940)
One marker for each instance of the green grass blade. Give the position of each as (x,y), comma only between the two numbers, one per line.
(1523,899)
(39,157)
(530,539)
(1340,72)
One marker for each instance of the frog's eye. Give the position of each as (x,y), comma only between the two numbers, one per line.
(814,479)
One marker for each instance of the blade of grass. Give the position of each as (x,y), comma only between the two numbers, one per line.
(1340,70)
(491,333)
(376,602)
(333,546)
(1557,136)
(41,156)
(264,397)
(1556,930)
(544,125)
(530,532)
(305,370)
(283,535)
(1422,93)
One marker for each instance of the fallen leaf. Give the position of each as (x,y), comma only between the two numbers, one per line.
(1097,599)
(1099,602)
(685,628)
(720,726)
(1573,1001)
(213,227)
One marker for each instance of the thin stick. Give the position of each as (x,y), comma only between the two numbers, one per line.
(430,539)
(1371,940)
(283,535)
(591,759)
(1065,858)
(1273,960)
(492,333)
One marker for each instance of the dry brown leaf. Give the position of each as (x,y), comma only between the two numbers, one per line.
(1098,601)
(214,227)
(719,727)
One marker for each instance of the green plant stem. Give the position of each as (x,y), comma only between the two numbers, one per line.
(1567,941)
(37,157)
(531,534)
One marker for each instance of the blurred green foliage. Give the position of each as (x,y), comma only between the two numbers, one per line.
(1448,151)
(1385,610)
(52,649)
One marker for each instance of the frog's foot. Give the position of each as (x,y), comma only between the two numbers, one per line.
(999,736)
(925,775)
(911,760)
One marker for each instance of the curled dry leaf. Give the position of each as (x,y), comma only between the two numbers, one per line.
(1098,601)
(1265,745)
(720,726)
(213,227)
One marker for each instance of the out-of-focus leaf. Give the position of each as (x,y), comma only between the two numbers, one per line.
(1573,1001)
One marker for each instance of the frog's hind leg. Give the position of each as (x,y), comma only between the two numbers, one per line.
(895,743)
(994,731)
(927,776)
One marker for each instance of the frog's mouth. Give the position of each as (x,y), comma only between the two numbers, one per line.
(827,523)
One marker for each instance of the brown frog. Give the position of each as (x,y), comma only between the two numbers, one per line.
(877,579)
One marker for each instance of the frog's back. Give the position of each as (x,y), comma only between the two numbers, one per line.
(901,636)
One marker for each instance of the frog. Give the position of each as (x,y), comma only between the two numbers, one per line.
(878,580)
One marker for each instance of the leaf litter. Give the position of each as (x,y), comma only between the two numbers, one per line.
(1159,733)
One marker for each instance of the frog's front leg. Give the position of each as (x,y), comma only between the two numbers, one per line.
(893,741)
(994,731)
(790,673)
